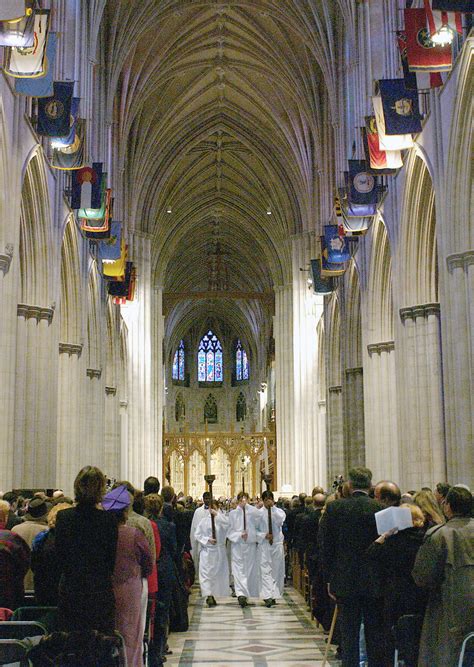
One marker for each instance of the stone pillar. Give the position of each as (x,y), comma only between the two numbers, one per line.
(143,453)
(335,433)
(36,398)
(112,433)
(71,394)
(92,452)
(458,362)
(422,436)
(353,407)
(380,411)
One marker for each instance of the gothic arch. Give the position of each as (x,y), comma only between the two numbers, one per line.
(71,303)
(380,298)
(353,334)
(36,243)
(94,320)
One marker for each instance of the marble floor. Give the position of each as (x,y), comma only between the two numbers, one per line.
(226,635)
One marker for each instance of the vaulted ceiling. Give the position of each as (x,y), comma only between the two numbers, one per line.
(221,113)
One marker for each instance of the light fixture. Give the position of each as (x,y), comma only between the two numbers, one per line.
(269,212)
(168,210)
(443,36)
(310,281)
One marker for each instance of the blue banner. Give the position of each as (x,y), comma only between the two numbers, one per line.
(109,250)
(453,6)
(320,285)
(400,107)
(362,184)
(54,113)
(41,86)
(121,287)
(329,268)
(337,247)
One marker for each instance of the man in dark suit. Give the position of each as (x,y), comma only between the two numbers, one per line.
(348,528)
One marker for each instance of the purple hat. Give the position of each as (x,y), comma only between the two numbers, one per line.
(117,500)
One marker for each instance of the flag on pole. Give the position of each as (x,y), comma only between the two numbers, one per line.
(401,113)
(120,288)
(328,269)
(111,248)
(98,220)
(40,86)
(378,160)
(30,61)
(393,142)
(439,19)
(464,6)
(320,285)
(362,184)
(337,247)
(423,54)
(18,33)
(54,113)
(14,10)
(62,142)
(116,269)
(87,187)
(72,156)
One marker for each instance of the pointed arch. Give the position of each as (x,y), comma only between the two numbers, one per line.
(210,410)
(71,304)
(241,408)
(380,306)
(210,359)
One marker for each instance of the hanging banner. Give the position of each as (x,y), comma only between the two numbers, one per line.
(337,247)
(321,285)
(18,33)
(416,80)
(63,142)
(120,288)
(87,187)
(377,160)
(54,113)
(437,20)
(328,269)
(423,54)
(13,10)
(116,269)
(464,6)
(400,107)
(30,61)
(41,86)
(94,224)
(110,250)
(72,156)
(362,185)
(389,143)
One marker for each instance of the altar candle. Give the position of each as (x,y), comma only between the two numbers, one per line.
(265,456)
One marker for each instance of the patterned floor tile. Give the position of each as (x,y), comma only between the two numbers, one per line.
(227,636)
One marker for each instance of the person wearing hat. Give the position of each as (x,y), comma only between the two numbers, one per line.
(132,564)
(36,520)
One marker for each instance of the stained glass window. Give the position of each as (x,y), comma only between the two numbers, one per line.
(241,363)
(179,362)
(210,360)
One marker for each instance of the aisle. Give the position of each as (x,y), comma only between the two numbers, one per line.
(226,635)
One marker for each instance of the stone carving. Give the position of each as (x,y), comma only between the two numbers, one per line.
(70,348)
(6,258)
(387,346)
(94,373)
(423,310)
(36,312)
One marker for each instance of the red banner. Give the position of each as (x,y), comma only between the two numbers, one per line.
(422,54)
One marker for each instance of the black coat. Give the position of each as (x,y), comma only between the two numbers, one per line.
(348,528)
(46,569)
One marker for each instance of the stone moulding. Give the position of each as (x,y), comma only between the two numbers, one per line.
(335,389)
(460,260)
(423,310)
(94,373)
(111,391)
(36,312)
(354,371)
(70,349)
(378,348)
(6,258)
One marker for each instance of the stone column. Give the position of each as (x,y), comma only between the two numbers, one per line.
(335,433)
(458,362)
(353,406)
(36,398)
(422,435)
(380,411)
(112,433)
(144,369)
(92,452)
(71,394)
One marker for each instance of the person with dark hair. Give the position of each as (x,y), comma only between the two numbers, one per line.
(270,550)
(445,567)
(14,563)
(86,545)
(199,514)
(133,564)
(243,538)
(213,564)
(346,530)
(440,493)
(151,485)
(12,499)
(387,493)
(35,522)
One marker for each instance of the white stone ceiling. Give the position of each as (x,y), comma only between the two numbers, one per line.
(220,112)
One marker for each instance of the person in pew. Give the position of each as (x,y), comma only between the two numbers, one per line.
(133,564)
(44,561)
(270,550)
(14,563)
(86,545)
(35,522)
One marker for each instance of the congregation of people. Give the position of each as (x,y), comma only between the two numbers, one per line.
(116,559)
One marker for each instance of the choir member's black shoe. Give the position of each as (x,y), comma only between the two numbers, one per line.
(211,601)
(242,601)
(268,602)
(273,601)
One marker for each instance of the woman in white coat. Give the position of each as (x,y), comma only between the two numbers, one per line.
(213,565)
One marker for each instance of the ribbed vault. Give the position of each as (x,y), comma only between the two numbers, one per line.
(221,111)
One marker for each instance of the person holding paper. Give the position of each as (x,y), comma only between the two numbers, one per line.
(394,551)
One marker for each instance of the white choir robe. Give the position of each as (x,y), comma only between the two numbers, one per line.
(213,565)
(199,513)
(271,556)
(244,559)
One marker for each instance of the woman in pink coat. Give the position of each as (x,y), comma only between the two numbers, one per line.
(133,563)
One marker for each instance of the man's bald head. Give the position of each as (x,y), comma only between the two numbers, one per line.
(387,493)
(319,499)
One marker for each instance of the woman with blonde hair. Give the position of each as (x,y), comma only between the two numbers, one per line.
(428,504)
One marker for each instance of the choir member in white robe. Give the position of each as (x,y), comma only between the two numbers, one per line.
(213,565)
(199,513)
(243,536)
(271,550)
